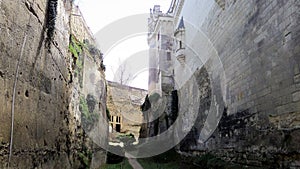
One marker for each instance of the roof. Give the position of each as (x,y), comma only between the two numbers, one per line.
(181,24)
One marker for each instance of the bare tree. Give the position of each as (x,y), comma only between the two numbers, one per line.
(123,74)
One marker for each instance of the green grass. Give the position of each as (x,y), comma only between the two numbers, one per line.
(123,165)
(167,160)
(150,164)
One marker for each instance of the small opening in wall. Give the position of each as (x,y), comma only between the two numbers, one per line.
(168,55)
(26,93)
(118,127)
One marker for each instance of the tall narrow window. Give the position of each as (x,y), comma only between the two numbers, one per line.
(168,55)
(118,120)
(180,44)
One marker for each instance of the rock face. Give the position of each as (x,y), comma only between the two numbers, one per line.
(236,70)
(124,102)
(47,133)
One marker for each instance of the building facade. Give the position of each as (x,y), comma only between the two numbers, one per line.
(123,105)
(236,69)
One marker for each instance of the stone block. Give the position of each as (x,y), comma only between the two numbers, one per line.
(296,96)
(297,78)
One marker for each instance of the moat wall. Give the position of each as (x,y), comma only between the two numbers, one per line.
(257,43)
(241,65)
(47,133)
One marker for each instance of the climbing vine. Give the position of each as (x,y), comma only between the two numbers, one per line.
(75,46)
(88,117)
(85,158)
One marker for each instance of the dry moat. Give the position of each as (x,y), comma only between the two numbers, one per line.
(223,88)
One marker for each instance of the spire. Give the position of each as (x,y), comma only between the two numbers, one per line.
(181,24)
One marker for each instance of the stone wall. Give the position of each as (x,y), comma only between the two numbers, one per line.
(88,101)
(80,28)
(257,43)
(124,102)
(240,78)
(47,134)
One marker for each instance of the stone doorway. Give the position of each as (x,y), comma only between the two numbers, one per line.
(118,127)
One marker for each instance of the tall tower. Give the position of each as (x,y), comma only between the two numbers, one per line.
(160,41)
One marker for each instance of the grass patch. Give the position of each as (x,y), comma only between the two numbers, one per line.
(208,161)
(149,164)
(85,158)
(167,160)
(123,165)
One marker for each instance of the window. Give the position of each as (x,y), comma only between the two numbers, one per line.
(168,55)
(118,119)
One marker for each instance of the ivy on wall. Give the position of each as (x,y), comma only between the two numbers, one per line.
(88,117)
(75,46)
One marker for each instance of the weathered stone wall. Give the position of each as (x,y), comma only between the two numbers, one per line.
(45,134)
(239,80)
(88,102)
(258,46)
(124,101)
(79,26)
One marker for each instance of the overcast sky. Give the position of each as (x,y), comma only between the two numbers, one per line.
(101,13)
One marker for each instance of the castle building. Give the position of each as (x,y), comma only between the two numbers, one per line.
(160,40)
(235,68)
(123,109)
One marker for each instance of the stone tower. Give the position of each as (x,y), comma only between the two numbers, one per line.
(161,60)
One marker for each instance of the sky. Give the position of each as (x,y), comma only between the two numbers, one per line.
(130,52)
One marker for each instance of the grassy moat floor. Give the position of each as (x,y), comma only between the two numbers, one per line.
(172,160)
(122,165)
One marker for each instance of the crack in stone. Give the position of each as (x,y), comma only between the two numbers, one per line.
(31,10)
